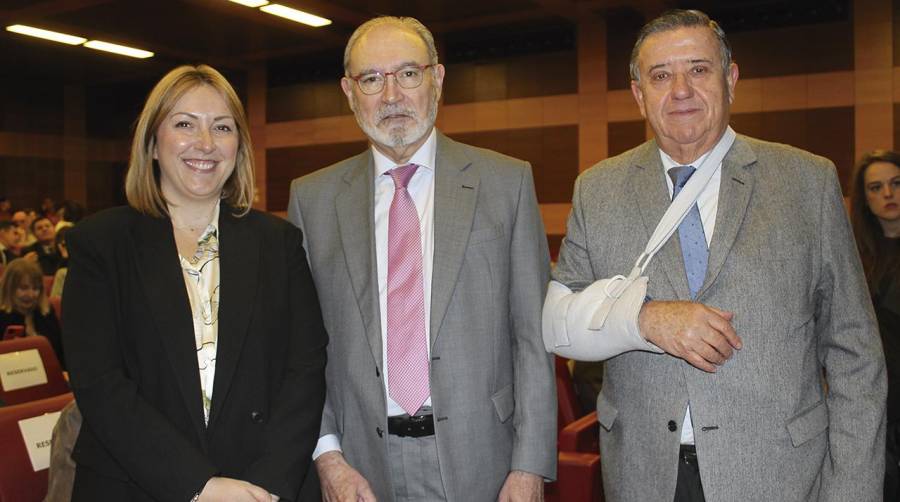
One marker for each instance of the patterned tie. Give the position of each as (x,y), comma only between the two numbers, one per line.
(406,344)
(693,241)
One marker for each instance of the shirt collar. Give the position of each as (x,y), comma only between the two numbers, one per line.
(669,162)
(423,157)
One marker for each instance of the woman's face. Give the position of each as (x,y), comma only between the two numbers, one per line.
(196,147)
(26,295)
(882,186)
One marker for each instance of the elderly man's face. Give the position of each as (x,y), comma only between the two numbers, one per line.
(396,120)
(682,91)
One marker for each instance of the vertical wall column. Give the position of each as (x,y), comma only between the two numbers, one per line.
(592,86)
(256,115)
(873,60)
(74,144)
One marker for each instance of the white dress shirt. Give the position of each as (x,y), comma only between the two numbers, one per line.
(421,189)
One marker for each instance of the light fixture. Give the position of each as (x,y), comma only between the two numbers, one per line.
(251,3)
(118,49)
(295,15)
(46,34)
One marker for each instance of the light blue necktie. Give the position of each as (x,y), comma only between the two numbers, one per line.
(693,241)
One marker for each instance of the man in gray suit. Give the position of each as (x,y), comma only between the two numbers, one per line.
(757,373)
(431,264)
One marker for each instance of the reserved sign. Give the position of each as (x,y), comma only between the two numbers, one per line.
(37,433)
(22,369)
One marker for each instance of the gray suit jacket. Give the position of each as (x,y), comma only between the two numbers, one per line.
(492,384)
(782,258)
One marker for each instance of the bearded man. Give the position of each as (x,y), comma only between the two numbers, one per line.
(431,264)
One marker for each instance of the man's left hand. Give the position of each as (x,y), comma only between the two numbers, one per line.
(521,486)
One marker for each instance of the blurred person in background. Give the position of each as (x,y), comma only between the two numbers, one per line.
(9,242)
(44,250)
(875,215)
(62,250)
(23,303)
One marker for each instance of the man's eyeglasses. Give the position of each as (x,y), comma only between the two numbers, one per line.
(408,77)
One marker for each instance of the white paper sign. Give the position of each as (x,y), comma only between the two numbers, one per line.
(22,369)
(37,432)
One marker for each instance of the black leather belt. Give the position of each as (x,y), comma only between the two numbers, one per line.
(688,454)
(415,427)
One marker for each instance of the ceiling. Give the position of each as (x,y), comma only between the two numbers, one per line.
(235,38)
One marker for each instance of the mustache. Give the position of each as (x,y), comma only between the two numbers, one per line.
(394,109)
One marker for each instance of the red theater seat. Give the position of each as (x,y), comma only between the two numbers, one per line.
(56,383)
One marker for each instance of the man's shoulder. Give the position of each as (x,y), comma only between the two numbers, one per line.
(328,175)
(769,151)
(616,166)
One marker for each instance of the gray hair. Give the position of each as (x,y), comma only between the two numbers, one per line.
(672,20)
(409,23)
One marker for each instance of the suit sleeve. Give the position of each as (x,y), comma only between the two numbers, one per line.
(851,354)
(534,447)
(144,443)
(292,432)
(295,216)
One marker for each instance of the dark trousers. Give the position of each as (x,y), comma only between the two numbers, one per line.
(892,464)
(688,487)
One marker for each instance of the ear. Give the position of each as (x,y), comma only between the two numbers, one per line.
(347,86)
(638,96)
(731,80)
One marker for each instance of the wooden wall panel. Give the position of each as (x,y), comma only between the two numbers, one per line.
(285,164)
(105,185)
(306,101)
(546,74)
(552,151)
(31,107)
(624,136)
(26,181)
(828,132)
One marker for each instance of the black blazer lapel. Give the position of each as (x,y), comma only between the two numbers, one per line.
(167,300)
(239,254)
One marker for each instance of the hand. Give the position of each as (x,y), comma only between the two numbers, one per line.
(701,335)
(521,486)
(340,482)
(232,490)
(31,256)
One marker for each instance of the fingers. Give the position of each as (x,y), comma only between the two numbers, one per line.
(723,325)
(365,494)
(258,494)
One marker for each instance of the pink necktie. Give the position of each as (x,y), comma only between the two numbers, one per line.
(406,344)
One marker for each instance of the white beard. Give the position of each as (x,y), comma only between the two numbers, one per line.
(398,135)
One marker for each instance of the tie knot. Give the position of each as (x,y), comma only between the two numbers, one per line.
(680,175)
(401,175)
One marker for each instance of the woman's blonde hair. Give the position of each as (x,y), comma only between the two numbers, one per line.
(142,181)
(17,272)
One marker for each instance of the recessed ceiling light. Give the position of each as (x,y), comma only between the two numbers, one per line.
(251,3)
(295,15)
(118,49)
(45,34)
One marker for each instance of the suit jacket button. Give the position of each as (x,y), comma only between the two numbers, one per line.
(673,426)
(380,431)
(256,417)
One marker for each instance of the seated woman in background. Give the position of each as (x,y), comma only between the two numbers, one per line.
(23,303)
(875,214)
(192,326)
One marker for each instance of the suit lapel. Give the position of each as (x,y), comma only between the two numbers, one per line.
(734,199)
(648,187)
(239,254)
(167,300)
(455,194)
(355,213)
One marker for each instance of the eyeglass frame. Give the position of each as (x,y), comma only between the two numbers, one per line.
(385,74)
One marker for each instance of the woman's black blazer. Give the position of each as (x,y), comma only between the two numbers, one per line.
(129,341)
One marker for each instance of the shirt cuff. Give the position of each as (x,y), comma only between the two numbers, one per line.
(327,443)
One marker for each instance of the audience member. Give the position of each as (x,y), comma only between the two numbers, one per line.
(23,222)
(439,387)
(23,302)
(5,209)
(70,213)
(875,214)
(9,242)
(713,388)
(62,250)
(177,405)
(44,250)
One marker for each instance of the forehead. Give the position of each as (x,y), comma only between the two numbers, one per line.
(202,98)
(386,46)
(881,170)
(681,44)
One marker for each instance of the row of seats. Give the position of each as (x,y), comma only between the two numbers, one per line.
(24,436)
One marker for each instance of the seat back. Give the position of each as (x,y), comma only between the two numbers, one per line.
(56,305)
(23,364)
(567,400)
(19,481)
(48,284)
